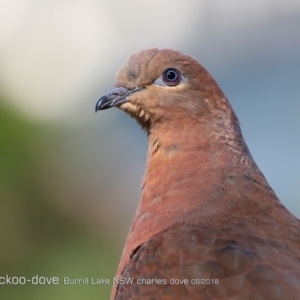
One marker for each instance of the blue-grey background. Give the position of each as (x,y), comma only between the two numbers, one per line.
(70,178)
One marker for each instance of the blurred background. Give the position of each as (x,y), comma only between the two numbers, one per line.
(70,178)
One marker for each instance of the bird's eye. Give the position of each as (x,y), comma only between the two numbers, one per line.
(172,77)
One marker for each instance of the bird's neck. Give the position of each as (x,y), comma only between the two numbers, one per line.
(185,168)
(192,178)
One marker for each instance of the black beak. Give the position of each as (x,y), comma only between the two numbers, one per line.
(117,96)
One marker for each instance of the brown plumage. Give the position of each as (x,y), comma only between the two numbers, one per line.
(206,211)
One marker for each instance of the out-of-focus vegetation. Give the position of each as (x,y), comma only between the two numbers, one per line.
(36,236)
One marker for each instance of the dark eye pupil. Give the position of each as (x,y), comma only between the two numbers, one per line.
(171,75)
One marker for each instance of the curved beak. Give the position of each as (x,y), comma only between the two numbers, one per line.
(115,97)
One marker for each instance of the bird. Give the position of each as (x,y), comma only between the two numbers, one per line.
(208,225)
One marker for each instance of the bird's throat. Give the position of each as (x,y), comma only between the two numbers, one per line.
(177,173)
(187,170)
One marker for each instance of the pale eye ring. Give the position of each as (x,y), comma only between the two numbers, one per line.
(172,77)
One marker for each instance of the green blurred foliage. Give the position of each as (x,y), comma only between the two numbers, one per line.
(36,237)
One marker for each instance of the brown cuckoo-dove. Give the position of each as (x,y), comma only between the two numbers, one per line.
(208,225)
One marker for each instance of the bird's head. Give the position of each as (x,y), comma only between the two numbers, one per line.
(159,85)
